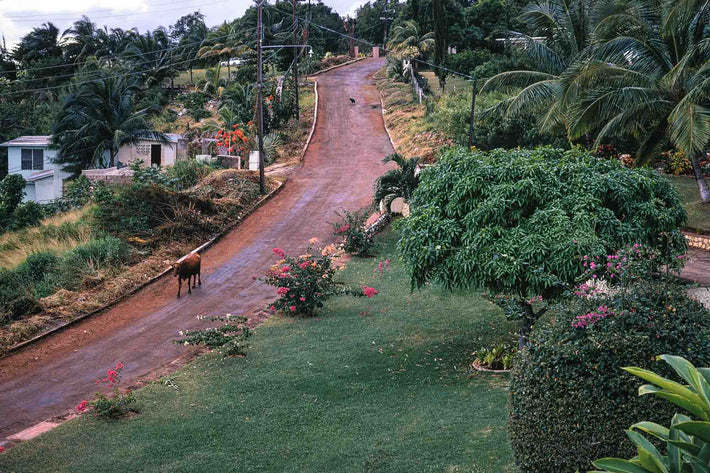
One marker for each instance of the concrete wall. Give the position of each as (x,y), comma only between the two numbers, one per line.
(141,150)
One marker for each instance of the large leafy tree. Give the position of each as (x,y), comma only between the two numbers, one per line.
(517,222)
(97,118)
(648,76)
(189,32)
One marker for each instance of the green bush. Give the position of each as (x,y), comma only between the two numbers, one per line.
(12,190)
(187,173)
(28,214)
(569,401)
(16,297)
(78,192)
(351,228)
(87,259)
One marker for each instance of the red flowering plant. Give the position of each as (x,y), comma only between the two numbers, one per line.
(116,405)
(234,140)
(303,283)
(354,237)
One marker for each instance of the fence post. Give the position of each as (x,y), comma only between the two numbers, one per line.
(473,110)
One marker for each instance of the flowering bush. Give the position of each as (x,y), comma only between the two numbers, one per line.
(233,140)
(231,335)
(114,406)
(351,230)
(303,283)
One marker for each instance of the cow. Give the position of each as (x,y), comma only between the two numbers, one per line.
(188,268)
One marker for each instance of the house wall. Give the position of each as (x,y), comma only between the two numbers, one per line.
(141,150)
(42,190)
(14,160)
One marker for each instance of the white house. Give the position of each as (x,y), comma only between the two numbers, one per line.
(32,157)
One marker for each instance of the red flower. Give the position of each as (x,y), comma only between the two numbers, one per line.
(292,308)
(2,449)
(119,366)
(369,291)
(303,299)
(285,269)
(82,406)
(279,252)
(271,97)
(282,290)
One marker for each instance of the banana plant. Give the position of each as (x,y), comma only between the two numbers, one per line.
(687,440)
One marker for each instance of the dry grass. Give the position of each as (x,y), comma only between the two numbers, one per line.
(58,234)
(406,121)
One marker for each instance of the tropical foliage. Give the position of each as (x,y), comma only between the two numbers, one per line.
(687,441)
(400,182)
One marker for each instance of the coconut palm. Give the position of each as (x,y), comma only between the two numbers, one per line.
(96,119)
(151,52)
(213,82)
(400,182)
(649,77)
(560,32)
(82,40)
(409,43)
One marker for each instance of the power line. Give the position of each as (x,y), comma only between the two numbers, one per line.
(72,14)
(45,19)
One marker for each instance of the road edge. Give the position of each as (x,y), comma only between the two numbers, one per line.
(18,347)
(313,126)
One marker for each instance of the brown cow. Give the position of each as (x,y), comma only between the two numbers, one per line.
(189,268)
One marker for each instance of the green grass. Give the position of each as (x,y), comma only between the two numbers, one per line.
(451,81)
(377,384)
(197,74)
(698,213)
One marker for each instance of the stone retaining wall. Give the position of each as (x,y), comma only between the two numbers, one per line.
(698,241)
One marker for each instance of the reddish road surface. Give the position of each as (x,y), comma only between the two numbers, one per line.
(341,165)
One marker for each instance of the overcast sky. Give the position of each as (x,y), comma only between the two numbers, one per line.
(18,17)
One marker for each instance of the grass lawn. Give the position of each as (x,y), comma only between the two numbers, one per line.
(197,74)
(369,385)
(698,213)
(451,81)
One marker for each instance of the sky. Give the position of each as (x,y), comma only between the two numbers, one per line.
(18,17)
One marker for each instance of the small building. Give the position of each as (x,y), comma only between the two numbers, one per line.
(32,157)
(155,153)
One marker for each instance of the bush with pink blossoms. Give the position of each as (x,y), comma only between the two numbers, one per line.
(303,283)
(116,405)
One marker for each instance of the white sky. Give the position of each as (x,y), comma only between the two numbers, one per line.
(18,17)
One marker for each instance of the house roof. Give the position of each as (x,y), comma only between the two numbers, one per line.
(42,140)
(40,175)
(174,137)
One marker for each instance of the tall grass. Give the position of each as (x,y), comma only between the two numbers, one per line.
(56,234)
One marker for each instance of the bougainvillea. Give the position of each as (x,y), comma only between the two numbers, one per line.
(303,283)
(114,406)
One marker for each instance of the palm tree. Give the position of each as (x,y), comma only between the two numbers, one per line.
(649,77)
(213,82)
(152,53)
(400,182)
(40,43)
(560,32)
(408,42)
(242,99)
(81,40)
(96,119)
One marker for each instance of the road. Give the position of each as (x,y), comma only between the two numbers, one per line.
(341,164)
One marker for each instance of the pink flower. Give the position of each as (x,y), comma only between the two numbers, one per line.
(82,406)
(292,308)
(303,265)
(282,291)
(2,449)
(285,269)
(369,291)
(119,366)
(279,252)
(313,241)
(302,299)
(272,308)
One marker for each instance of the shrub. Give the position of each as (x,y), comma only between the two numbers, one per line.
(351,228)
(568,403)
(232,335)
(399,182)
(78,192)
(87,259)
(110,407)
(187,173)
(305,282)
(29,214)
(516,222)
(12,190)
(500,357)
(687,442)
(16,297)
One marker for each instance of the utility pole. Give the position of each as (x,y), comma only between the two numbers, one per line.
(386,19)
(259,99)
(473,110)
(295,61)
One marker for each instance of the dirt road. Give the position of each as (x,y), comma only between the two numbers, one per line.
(341,164)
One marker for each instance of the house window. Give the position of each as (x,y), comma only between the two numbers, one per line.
(32,159)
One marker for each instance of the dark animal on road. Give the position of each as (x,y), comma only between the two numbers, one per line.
(352,101)
(189,269)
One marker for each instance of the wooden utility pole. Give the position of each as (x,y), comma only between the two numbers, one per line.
(259,98)
(473,111)
(295,61)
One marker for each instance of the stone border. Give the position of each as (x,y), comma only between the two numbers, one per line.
(337,66)
(313,126)
(480,368)
(696,240)
(125,296)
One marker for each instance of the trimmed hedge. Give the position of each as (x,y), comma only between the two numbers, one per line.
(570,402)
